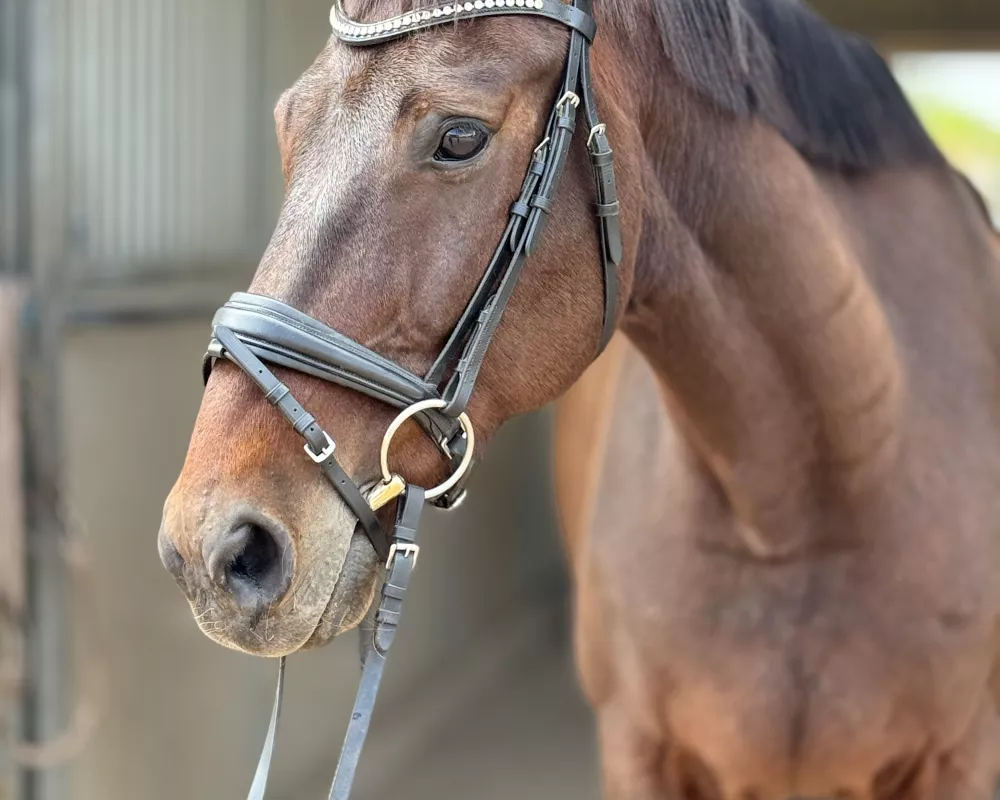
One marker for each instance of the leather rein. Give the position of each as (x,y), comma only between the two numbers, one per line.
(252,331)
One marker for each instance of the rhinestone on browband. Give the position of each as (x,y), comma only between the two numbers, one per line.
(348,28)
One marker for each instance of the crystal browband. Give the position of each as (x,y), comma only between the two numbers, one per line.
(354,32)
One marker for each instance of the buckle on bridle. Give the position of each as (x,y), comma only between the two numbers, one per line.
(598,130)
(384,492)
(404,549)
(328,451)
(570,97)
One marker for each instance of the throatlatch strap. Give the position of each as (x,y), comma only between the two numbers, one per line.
(607,207)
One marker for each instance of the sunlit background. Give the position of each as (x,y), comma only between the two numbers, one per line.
(957,95)
(139,182)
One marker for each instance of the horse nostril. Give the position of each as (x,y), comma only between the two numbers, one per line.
(172,560)
(252,563)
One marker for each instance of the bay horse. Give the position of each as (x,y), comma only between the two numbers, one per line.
(780,485)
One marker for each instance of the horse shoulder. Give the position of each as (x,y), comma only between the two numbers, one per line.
(583,422)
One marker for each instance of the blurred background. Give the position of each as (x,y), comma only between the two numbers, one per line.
(139,182)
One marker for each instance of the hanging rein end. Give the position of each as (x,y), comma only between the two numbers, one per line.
(401,562)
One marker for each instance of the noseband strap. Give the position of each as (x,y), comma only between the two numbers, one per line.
(283,335)
(251,331)
(279,334)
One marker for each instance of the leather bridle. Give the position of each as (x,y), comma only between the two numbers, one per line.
(252,331)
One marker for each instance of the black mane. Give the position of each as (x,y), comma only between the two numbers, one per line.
(830,93)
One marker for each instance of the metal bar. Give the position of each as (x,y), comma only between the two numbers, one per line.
(14,107)
(16,709)
(47,646)
(13,580)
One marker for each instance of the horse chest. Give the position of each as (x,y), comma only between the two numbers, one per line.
(823,669)
(805,677)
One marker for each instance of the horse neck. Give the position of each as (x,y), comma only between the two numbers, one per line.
(770,343)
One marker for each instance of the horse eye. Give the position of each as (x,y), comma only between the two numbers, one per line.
(462,141)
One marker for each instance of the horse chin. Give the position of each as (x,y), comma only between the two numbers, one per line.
(352,595)
(273,633)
